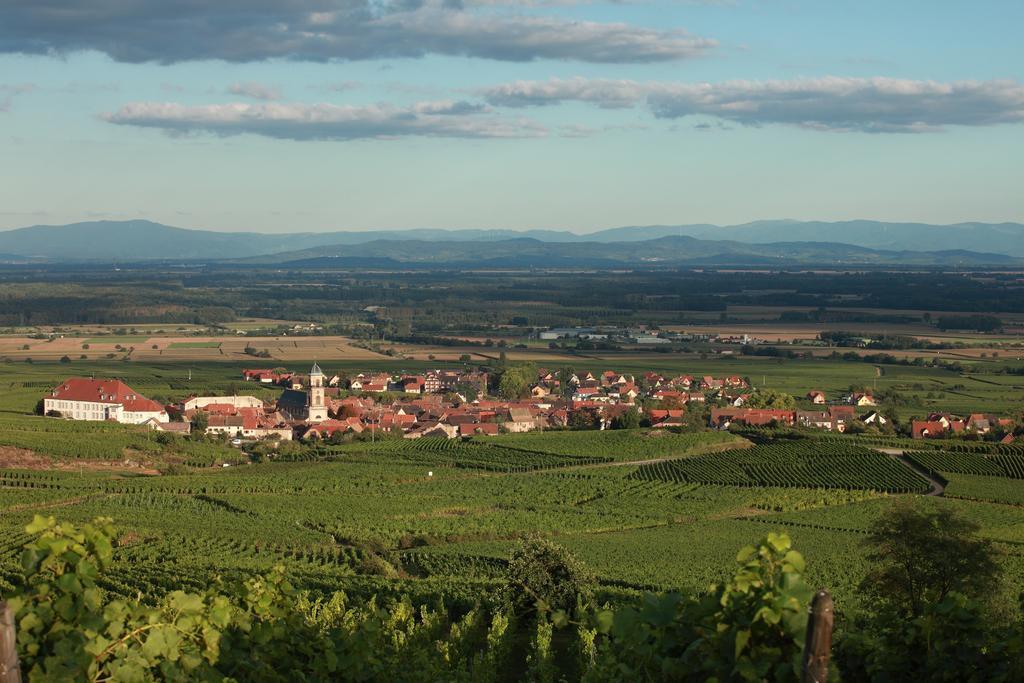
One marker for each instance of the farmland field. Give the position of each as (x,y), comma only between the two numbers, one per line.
(439,518)
(642,508)
(195,345)
(158,348)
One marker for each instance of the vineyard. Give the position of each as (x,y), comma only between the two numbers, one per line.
(437,518)
(471,454)
(70,439)
(1000,464)
(544,450)
(990,488)
(801,463)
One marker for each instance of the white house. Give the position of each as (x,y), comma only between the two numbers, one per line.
(234,401)
(78,398)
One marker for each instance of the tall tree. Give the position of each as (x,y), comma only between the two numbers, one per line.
(921,556)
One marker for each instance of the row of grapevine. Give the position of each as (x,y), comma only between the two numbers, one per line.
(966,462)
(798,463)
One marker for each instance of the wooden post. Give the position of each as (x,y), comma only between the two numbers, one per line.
(818,643)
(10,671)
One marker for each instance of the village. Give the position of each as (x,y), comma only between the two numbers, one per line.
(445,403)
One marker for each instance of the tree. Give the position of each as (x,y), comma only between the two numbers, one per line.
(515,381)
(467,390)
(564,375)
(628,420)
(200,422)
(919,557)
(543,575)
(65,359)
(772,399)
(584,418)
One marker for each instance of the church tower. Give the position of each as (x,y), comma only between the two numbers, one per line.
(316,405)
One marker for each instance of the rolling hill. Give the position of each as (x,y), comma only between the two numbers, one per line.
(764,243)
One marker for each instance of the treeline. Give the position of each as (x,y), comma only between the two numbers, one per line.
(979,323)
(832,315)
(432,301)
(880,341)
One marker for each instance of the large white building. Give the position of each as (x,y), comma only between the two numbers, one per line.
(78,398)
(233,401)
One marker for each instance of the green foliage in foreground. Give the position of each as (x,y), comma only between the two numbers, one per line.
(749,628)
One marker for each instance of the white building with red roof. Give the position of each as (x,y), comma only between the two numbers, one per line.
(79,398)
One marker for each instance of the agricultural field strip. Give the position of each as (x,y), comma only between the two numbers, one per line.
(1008,461)
(549,450)
(186,527)
(802,463)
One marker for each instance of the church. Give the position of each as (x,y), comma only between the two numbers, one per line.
(306,406)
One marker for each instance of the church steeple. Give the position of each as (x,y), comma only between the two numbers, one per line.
(316,402)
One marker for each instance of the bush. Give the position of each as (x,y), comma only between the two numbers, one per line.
(751,628)
(543,576)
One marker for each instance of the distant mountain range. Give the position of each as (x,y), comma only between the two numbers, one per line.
(760,243)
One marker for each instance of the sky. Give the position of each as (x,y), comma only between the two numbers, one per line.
(299,115)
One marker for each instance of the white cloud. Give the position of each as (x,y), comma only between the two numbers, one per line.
(326,121)
(609,94)
(880,105)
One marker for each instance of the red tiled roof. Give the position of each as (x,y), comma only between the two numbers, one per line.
(919,427)
(110,391)
(488,428)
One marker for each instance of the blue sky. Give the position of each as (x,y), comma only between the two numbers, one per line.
(287,115)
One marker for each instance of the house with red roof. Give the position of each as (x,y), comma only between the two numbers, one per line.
(816,397)
(327,428)
(80,398)
(481,428)
(413,384)
(927,429)
(721,418)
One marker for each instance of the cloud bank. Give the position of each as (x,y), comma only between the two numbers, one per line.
(877,105)
(168,31)
(445,119)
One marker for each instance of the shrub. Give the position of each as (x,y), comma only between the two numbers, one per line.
(543,576)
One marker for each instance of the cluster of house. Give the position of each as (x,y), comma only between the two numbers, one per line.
(438,403)
(835,416)
(940,425)
(431,382)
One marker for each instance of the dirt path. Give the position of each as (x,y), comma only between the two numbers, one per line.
(937,485)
